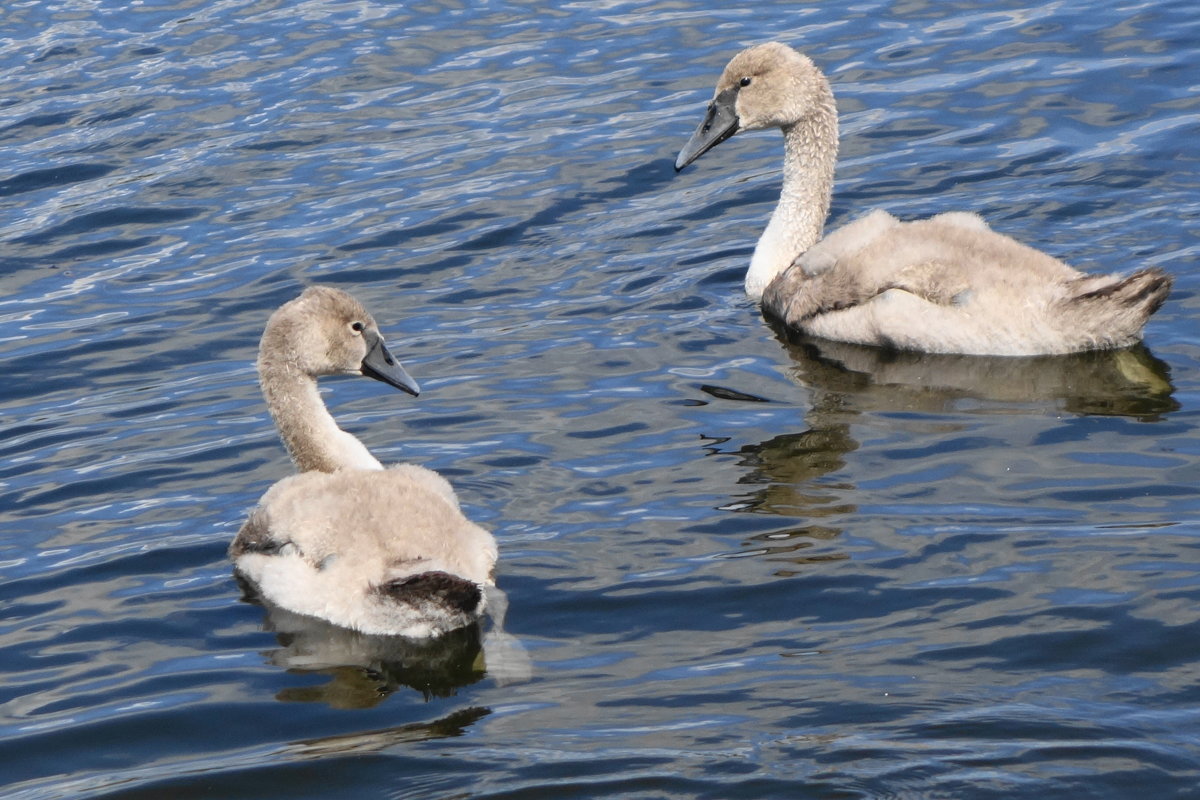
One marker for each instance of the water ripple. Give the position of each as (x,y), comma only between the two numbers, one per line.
(743,565)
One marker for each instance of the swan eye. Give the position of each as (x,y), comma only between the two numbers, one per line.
(357,327)
(745,81)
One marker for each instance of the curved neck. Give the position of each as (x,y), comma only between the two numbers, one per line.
(308,430)
(809,156)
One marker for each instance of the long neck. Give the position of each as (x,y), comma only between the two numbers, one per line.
(809,156)
(309,432)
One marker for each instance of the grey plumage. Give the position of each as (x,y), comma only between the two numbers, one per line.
(381,551)
(948,284)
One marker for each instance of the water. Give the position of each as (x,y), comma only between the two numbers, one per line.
(741,567)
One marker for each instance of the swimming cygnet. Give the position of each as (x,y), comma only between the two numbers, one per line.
(948,284)
(381,551)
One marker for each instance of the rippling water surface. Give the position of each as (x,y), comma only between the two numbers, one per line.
(741,567)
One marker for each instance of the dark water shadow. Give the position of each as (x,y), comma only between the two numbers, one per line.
(300,768)
(450,726)
(785,479)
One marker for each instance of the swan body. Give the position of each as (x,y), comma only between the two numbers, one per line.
(381,551)
(948,284)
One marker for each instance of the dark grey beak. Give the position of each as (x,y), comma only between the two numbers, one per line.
(382,366)
(719,124)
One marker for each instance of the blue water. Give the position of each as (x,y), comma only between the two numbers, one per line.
(741,567)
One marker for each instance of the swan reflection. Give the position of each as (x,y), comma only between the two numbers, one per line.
(364,669)
(1128,382)
(802,475)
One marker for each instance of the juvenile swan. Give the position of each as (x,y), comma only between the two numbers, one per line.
(948,284)
(382,551)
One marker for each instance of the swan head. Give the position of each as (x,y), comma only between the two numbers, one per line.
(766,86)
(325,331)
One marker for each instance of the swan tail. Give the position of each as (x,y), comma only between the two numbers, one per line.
(1142,292)
(255,537)
(1116,308)
(439,588)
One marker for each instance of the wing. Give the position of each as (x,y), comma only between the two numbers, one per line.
(944,260)
(255,536)
(797,299)
(379,521)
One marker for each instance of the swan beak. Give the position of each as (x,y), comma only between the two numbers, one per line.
(719,124)
(383,366)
